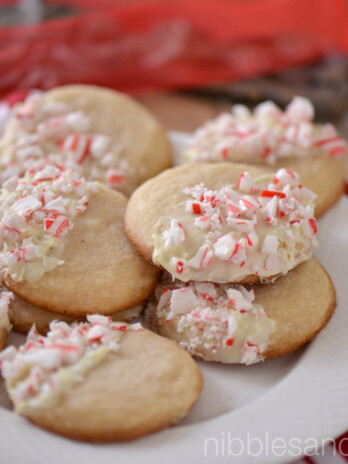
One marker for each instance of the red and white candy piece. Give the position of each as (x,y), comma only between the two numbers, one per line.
(202,259)
(176,234)
(182,300)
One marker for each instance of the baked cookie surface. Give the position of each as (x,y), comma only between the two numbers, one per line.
(301,303)
(102,271)
(223,222)
(108,136)
(235,324)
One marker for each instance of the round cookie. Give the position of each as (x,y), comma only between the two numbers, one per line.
(102,271)
(23,315)
(214,222)
(122,396)
(139,146)
(245,327)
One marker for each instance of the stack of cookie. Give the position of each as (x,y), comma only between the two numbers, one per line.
(240,283)
(70,153)
(235,242)
(65,157)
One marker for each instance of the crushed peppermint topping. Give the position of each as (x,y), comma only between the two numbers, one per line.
(36,212)
(262,226)
(264,135)
(214,322)
(52,130)
(5,299)
(44,368)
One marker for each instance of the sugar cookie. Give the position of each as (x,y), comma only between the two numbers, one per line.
(98,381)
(236,324)
(70,261)
(269,136)
(102,134)
(23,315)
(223,222)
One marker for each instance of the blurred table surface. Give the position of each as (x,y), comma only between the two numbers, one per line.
(185,112)
(181,112)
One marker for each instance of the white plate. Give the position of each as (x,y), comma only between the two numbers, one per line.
(287,405)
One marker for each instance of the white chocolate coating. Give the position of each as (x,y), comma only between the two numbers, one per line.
(44,129)
(44,368)
(264,136)
(36,212)
(260,227)
(213,322)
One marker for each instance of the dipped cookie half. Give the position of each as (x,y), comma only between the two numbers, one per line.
(238,324)
(97,381)
(223,223)
(64,248)
(102,134)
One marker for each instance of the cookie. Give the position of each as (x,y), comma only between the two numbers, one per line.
(5,324)
(236,324)
(223,222)
(103,134)
(23,315)
(98,270)
(269,136)
(98,381)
